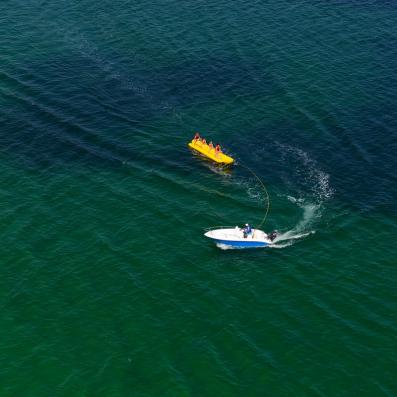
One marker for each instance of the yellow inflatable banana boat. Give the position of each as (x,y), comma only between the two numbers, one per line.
(210,152)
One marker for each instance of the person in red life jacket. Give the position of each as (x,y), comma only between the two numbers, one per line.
(196,137)
(218,149)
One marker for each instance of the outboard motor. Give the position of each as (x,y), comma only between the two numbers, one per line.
(272,235)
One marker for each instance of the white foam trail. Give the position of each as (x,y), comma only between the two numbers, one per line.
(318,180)
(227,247)
(310,213)
(281,245)
(290,235)
(315,190)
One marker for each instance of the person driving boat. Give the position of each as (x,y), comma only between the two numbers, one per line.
(247,230)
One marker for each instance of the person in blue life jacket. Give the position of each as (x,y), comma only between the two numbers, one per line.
(247,230)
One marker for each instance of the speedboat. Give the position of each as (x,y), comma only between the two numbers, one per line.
(236,238)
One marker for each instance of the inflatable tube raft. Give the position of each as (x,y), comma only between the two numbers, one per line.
(205,150)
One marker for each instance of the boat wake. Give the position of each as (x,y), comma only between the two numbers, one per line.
(228,247)
(310,186)
(311,212)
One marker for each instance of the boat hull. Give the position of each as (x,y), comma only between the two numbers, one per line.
(241,244)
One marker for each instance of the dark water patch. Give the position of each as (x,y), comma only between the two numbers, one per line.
(79,112)
(211,80)
(364,5)
(42,143)
(62,122)
(363,154)
(358,148)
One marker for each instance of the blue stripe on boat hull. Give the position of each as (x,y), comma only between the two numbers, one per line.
(242,244)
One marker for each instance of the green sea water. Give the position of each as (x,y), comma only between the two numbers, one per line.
(108,286)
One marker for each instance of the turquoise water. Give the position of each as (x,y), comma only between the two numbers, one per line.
(108,287)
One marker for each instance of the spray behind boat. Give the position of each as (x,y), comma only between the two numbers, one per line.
(273,235)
